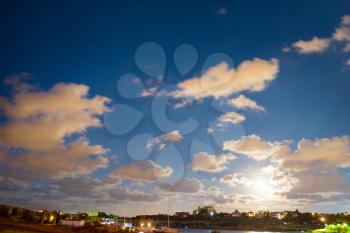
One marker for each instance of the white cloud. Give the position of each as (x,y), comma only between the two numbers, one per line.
(38,123)
(242,102)
(41,120)
(325,153)
(348,62)
(210,130)
(236,179)
(222,81)
(253,147)
(345,20)
(315,45)
(185,185)
(173,136)
(230,118)
(342,33)
(147,171)
(210,163)
(319,45)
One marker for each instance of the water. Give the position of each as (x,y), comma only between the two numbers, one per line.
(183,230)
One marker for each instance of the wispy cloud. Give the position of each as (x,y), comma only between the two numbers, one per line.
(221,11)
(242,102)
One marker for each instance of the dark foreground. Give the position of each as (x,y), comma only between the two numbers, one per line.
(18,227)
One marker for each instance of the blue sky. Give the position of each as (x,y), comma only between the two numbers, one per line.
(293,51)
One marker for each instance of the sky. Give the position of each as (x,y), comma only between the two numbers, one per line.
(122,106)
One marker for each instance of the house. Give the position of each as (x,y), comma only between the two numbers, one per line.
(73,223)
(182,214)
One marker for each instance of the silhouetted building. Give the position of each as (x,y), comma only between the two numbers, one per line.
(205,211)
(182,214)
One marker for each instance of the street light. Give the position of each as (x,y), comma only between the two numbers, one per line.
(323,219)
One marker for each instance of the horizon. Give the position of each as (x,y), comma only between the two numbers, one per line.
(122,106)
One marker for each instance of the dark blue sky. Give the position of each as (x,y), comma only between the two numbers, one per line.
(93,43)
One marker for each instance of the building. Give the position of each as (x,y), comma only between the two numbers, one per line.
(73,223)
(236,213)
(182,214)
(207,211)
(97,214)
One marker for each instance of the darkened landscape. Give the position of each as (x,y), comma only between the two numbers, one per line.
(15,218)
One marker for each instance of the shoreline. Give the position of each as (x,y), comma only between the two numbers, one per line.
(256,229)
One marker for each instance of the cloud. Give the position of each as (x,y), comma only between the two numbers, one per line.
(221,11)
(210,163)
(325,153)
(48,117)
(309,173)
(173,136)
(342,33)
(230,118)
(210,130)
(253,147)
(222,81)
(239,200)
(279,178)
(345,20)
(347,48)
(121,195)
(286,49)
(348,62)
(315,45)
(38,124)
(319,45)
(71,161)
(185,185)
(83,186)
(147,171)
(236,179)
(319,182)
(9,184)
(242,102)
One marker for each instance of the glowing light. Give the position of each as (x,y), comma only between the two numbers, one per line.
(323,219)
(142,224)
(262,187)
(149,224)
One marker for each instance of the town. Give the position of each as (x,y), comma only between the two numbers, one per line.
(202,217)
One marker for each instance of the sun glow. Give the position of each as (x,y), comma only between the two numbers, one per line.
(263,187)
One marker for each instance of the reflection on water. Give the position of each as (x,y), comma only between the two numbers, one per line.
(222,231)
